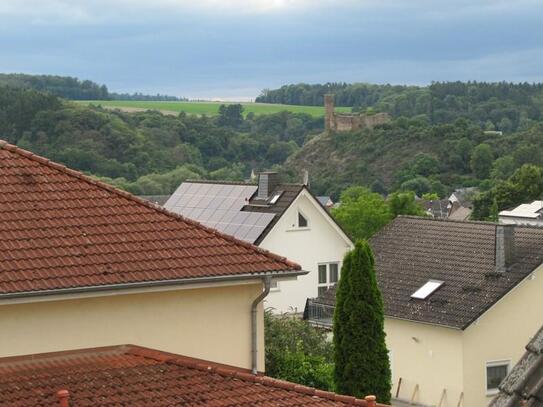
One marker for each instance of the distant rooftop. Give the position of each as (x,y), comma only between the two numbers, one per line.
(533,210)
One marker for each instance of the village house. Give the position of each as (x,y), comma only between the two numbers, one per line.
(85,265)
(129,375)
(286,219)
(461,299)
(525,214)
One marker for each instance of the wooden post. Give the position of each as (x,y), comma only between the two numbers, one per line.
(398,389)
(443,393)
(460,400)
(415,391)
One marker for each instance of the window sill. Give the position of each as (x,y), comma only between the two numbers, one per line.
(298,229)
(493,392)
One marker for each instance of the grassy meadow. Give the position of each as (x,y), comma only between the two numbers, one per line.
(205,108)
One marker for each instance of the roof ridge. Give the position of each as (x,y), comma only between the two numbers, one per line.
(100,184)
(472,222)
(477,222)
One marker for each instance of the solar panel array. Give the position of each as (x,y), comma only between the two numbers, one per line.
(219,206)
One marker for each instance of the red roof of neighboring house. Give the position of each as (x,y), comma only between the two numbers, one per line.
(60,229)
(132,376)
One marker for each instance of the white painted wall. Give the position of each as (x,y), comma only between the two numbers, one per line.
(321,242)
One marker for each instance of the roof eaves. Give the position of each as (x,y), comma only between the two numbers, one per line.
(127,195)
(150,284)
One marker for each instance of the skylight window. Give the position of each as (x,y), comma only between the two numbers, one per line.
(427,289)
(274,198)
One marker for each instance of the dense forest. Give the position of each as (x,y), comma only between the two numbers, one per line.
(73,88)
(150,153)
(63,86)
(492,106)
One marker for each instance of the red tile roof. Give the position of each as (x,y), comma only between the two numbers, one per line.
(128,375)
(60,229)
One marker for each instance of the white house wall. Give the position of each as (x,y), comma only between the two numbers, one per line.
(319,243)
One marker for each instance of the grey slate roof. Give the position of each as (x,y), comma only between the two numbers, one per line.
(523,386)
(412,250)
(231,207)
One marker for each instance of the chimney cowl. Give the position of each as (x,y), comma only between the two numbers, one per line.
(267,182)
(504,247)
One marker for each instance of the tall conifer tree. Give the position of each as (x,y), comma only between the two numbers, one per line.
(361,357)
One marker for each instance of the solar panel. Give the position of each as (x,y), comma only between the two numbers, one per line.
(427,289)
(220,206)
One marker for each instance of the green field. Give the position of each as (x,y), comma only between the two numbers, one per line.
(207,108)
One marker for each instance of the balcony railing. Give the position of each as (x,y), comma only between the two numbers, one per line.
(319,314)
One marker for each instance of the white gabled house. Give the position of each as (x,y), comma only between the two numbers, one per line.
(286,219)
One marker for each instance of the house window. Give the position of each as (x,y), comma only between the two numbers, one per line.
(328,276)
(302,221)
(495,373)
(274,285)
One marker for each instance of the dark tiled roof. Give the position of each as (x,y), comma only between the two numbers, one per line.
(410,251)
(132,376)
(437,208)
(288,195)
(60,229)
(524,385)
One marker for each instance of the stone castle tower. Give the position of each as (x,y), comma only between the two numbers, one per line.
(343,122)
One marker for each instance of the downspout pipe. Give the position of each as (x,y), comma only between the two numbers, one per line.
(254,323)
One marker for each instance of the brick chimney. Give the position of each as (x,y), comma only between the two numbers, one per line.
(63,396)
(505,247)
(267,181)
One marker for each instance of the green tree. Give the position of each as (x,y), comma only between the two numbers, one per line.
(361,359)
(404,203)
(419,185)
(297,352)
(481,160)
(503,167)
(362,212)
(230,115)
(525,185)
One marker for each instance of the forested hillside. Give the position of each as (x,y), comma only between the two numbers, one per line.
(150,153)
(492,106)
(411,154)
(63,86)
(73,88)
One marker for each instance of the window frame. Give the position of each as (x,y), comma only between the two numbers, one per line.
(276,287)
(496,363)
(303,215)
(327,284)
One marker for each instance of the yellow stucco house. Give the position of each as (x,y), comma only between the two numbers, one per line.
(461,301)
(84,265)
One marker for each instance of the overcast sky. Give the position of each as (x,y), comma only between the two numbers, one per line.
(233,49)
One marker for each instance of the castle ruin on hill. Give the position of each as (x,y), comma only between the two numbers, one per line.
(339,122)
